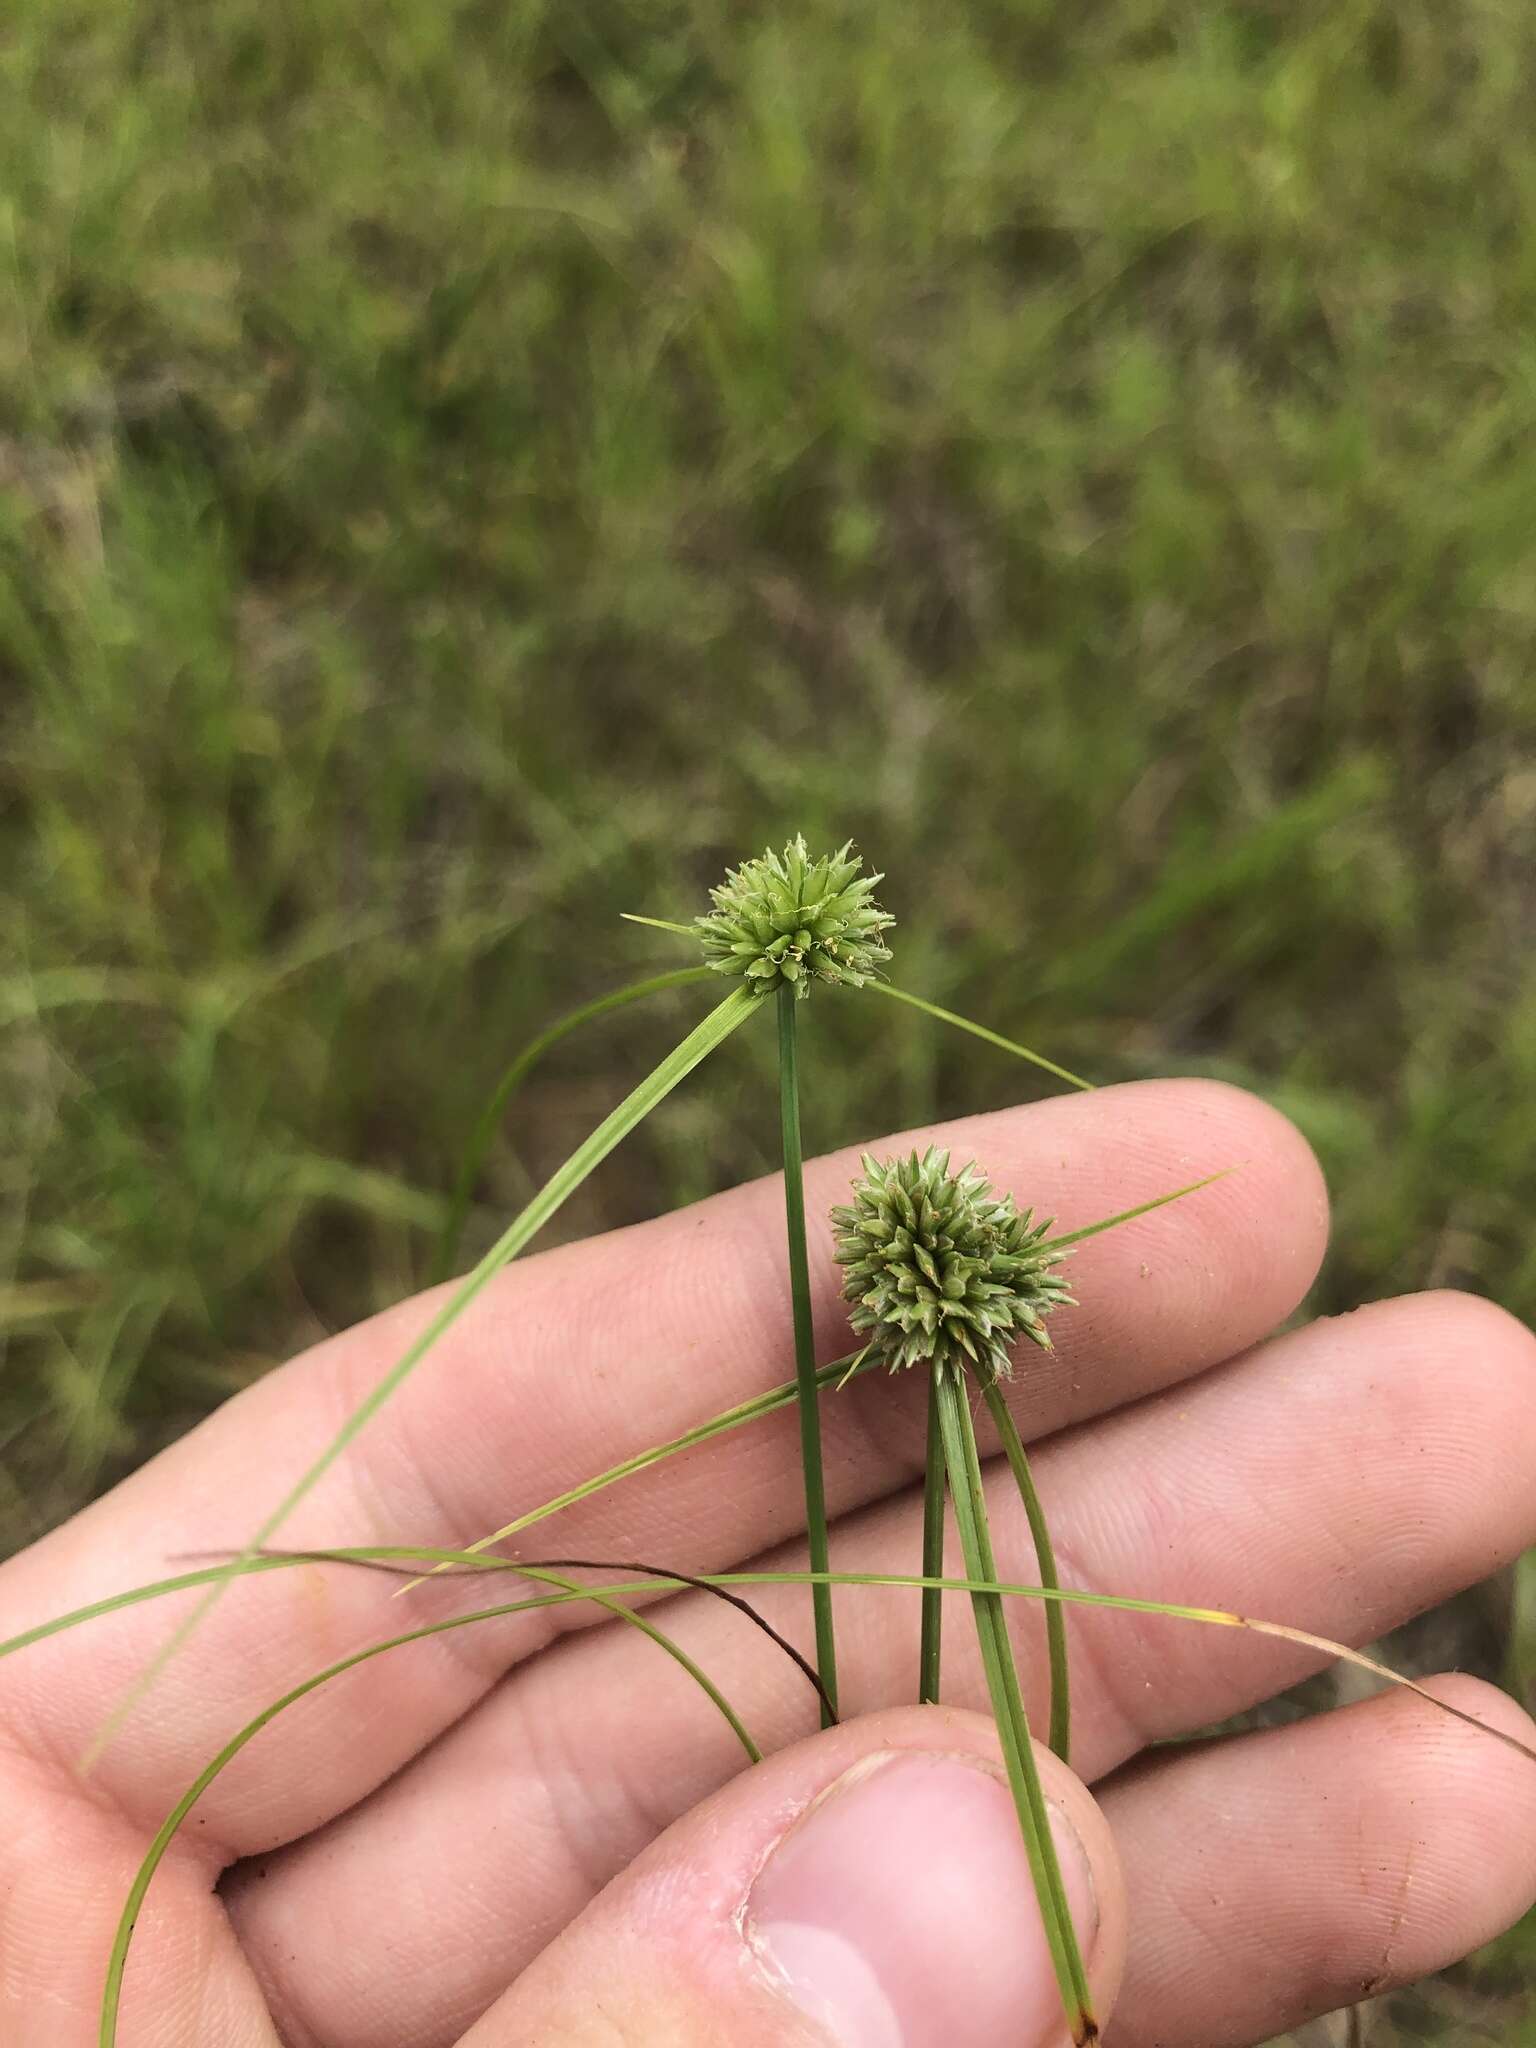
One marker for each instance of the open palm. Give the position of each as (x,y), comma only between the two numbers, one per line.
(536,1831)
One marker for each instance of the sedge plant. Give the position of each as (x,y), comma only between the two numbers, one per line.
(986,1594)
(941,1272)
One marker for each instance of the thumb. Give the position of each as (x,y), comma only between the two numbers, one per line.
(867,1888)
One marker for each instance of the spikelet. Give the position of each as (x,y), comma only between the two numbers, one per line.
(939,1269)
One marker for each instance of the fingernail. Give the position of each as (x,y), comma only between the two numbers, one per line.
(899,1910)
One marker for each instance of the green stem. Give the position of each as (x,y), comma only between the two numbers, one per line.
(491,1117)
(1045,1556)
(928,1659)
(708,1033)
(964,1467)
(806,1385)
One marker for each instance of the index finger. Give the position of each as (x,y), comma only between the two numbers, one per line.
(579,1358)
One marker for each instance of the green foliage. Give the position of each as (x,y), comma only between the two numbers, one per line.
(1081,452)
(523,457)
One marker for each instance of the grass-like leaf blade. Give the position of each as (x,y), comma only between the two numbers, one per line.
(835,1375)
(709,1033)
(493,1115)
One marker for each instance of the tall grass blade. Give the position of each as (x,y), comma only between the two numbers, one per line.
(964,1468)
(112,1992)
(667,1576)
(478,1561)
(1169,1610)
(709,1033)
(1045,1556)
(1035,1059)
(494,1114)
(807,1390)
(837,1374)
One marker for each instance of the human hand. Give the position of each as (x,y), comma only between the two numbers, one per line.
(534,1831)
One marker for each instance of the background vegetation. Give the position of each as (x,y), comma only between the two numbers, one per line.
(466,469)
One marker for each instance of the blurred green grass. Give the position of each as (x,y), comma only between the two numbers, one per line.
(466,471)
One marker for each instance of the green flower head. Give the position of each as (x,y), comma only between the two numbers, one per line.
(789,919)
(941,1270)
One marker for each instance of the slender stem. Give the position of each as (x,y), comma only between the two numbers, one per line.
(805,1343)
(708,1033)
(928,1661)
(490,1120)
(1045,1556)
(964,1467)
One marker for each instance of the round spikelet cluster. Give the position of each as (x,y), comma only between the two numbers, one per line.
(942,1270)
(787,918)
